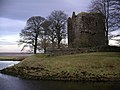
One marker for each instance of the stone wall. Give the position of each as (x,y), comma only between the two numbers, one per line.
(69,51)
(86,30)
(66,51)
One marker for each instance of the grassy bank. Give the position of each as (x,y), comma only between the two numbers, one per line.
(12,58)
(99,66)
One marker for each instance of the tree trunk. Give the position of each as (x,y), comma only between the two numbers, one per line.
(45,44)
(107,25)
(35,46)
(107,41)
(58,43)
(34,49)
(45,50)
(58,38)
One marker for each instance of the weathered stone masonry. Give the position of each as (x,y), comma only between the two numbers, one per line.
(86,30)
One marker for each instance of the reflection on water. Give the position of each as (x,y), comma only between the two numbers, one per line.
(4,64)
(14,83)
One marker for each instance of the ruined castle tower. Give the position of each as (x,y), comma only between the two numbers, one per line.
(86,30)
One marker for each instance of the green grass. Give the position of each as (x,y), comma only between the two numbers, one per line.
(12,58)
(86,66)
(6,57)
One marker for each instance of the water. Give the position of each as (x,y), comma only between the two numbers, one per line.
(4,64)
(14,83)
(15,54)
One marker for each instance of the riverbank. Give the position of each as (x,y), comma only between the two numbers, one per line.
(14,56)
(99,66)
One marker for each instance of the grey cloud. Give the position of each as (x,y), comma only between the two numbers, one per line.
(7,43)
(8,32)
(23,9)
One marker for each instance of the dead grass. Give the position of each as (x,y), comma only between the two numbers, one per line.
(12,58)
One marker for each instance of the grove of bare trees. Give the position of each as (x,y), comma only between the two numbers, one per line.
(40,33)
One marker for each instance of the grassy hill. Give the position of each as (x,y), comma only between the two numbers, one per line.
(99,66)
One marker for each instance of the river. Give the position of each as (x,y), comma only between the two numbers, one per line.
(15,83)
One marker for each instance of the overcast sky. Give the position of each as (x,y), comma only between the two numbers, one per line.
(14,13)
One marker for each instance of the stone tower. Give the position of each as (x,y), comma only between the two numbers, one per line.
(86,30)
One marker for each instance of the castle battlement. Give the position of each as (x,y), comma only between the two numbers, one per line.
(86,30)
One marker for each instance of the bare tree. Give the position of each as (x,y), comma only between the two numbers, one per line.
(114,14)
(51,32)
(111,10)
(45,41)
(57,27)
(31,33)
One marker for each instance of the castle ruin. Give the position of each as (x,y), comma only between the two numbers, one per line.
(86,30)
